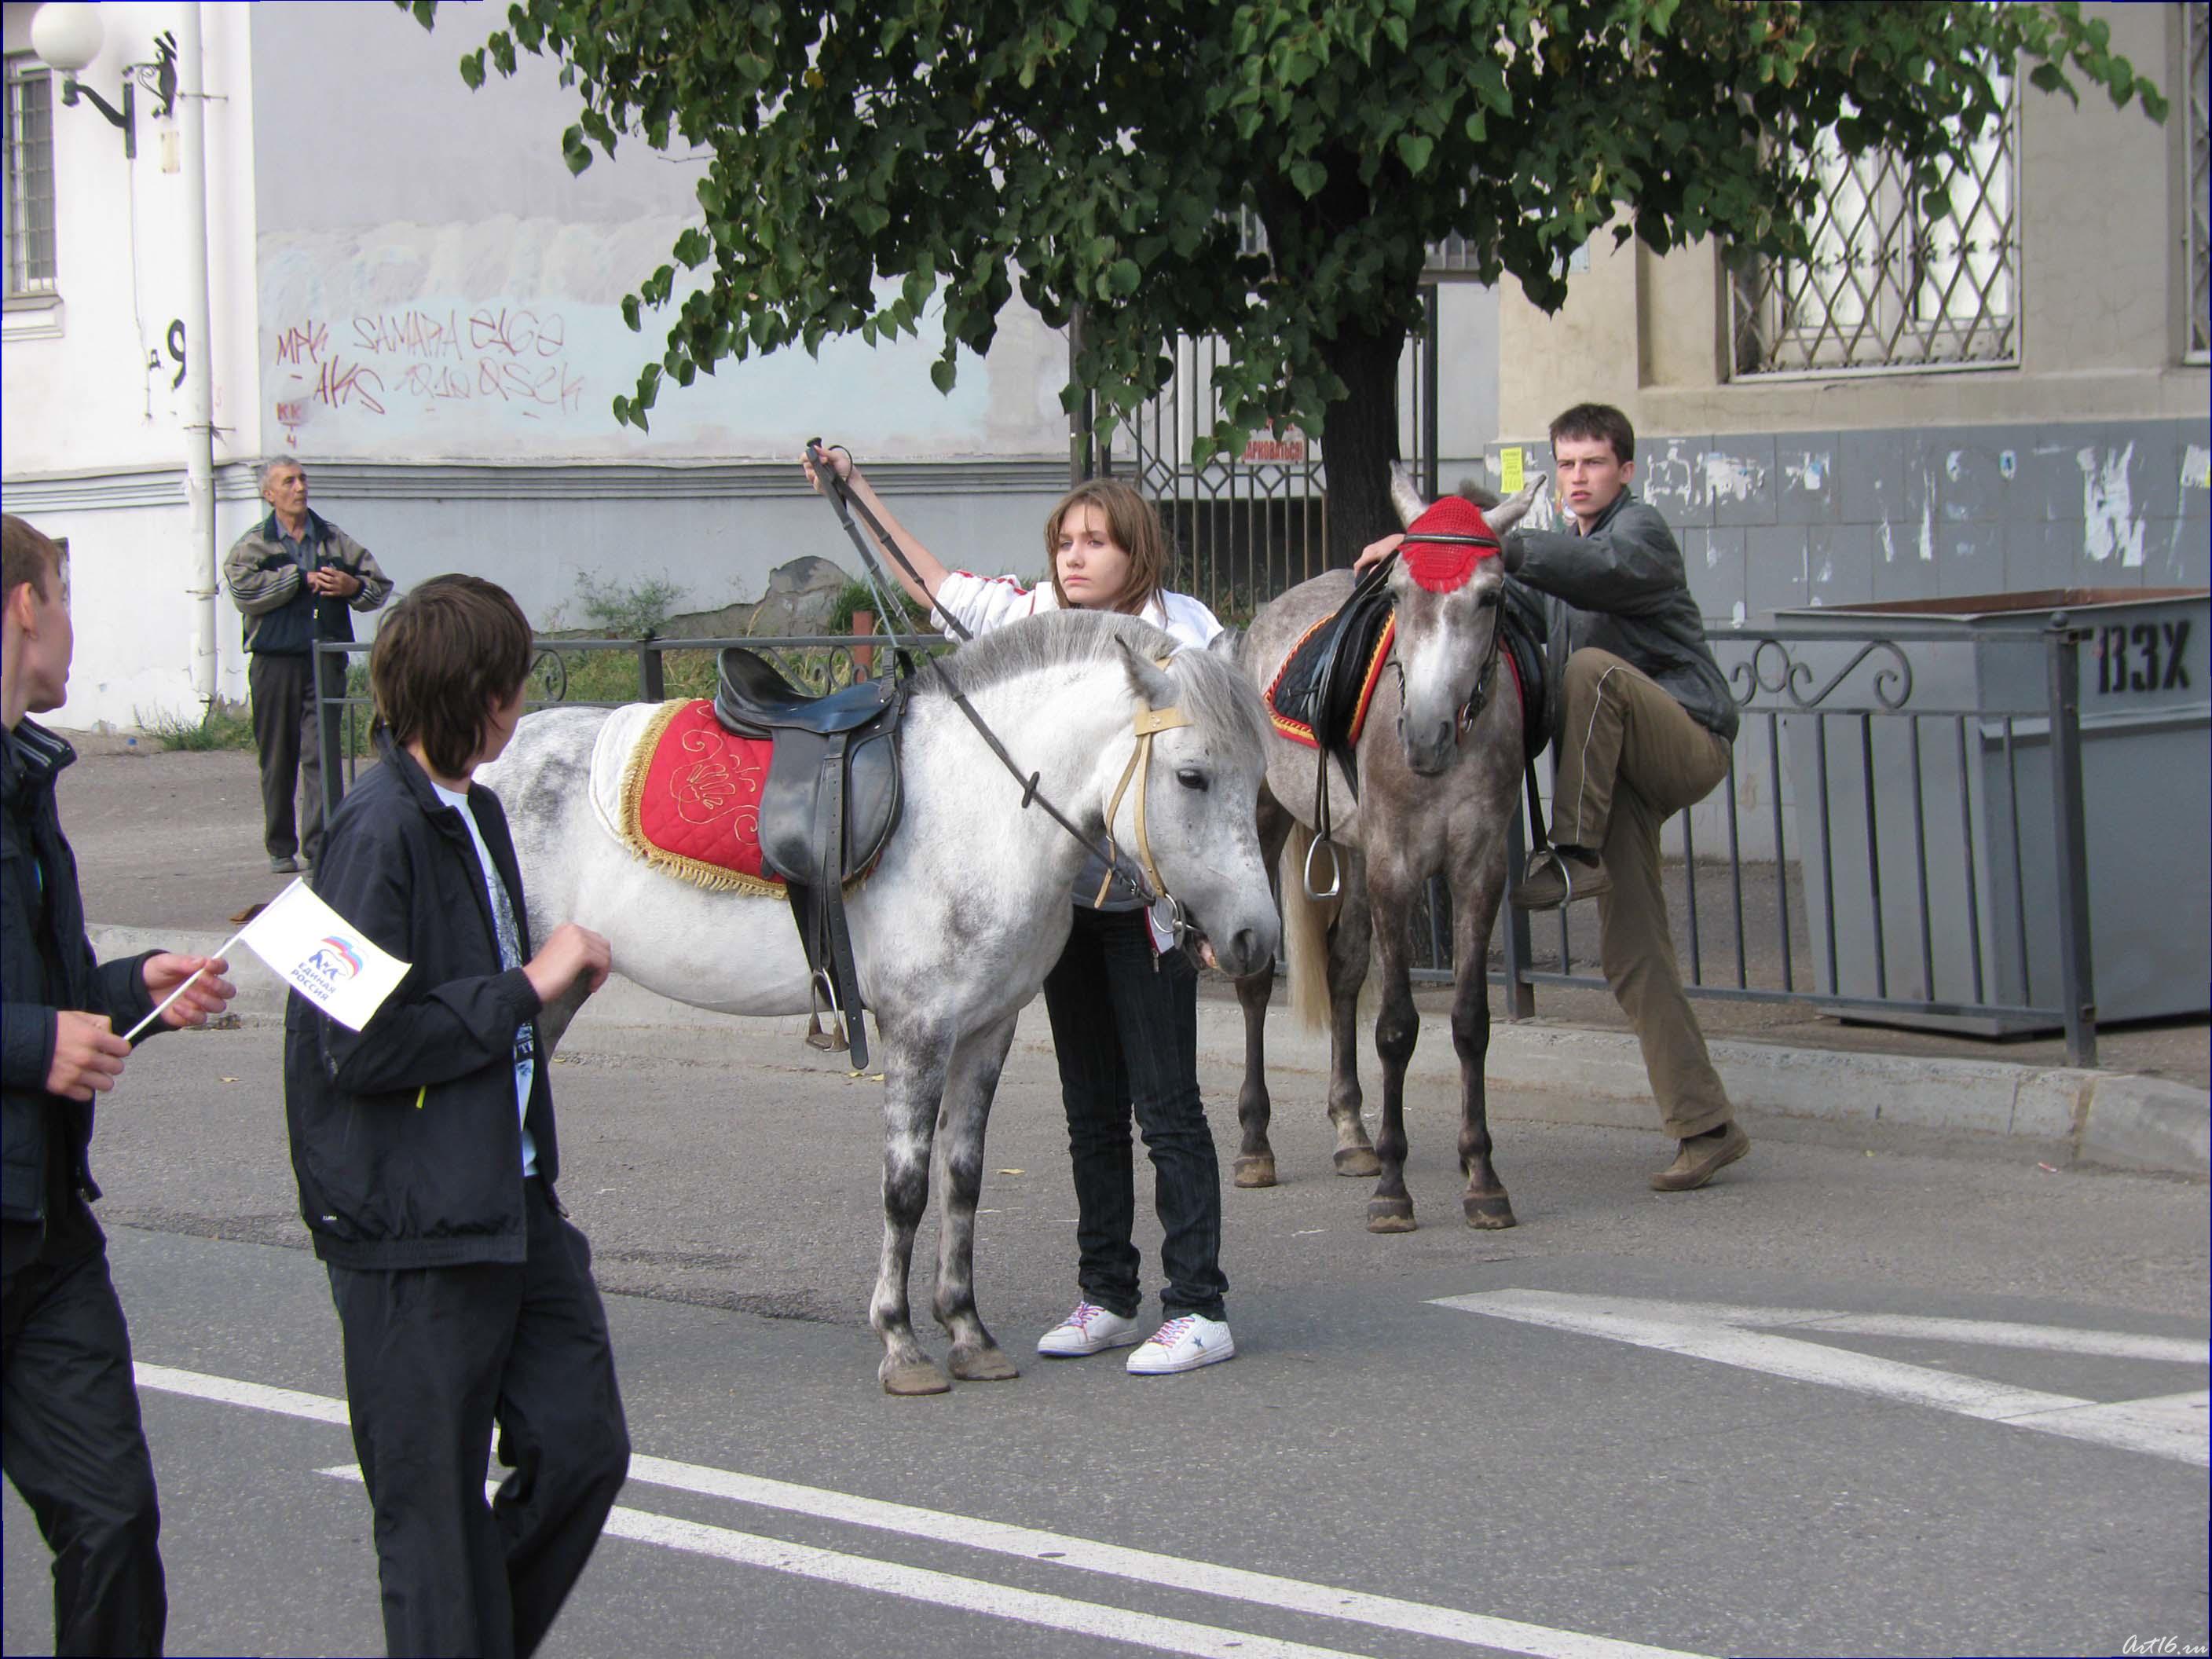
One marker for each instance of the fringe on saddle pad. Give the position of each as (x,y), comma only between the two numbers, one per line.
(707,793)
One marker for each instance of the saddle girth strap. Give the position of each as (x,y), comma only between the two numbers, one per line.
(820,913)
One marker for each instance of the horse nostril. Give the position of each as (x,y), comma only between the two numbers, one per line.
(1245,947)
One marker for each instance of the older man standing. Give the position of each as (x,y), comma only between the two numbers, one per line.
(295,575)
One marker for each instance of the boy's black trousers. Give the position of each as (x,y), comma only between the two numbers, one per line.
(433,1357)
(73,1446)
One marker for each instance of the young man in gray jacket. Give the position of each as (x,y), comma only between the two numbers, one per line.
(296,576)
(1645,729)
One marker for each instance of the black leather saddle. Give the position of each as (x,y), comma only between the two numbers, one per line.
(830,806)
(1320,686)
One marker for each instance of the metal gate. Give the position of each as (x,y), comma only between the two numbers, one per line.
(1249,526)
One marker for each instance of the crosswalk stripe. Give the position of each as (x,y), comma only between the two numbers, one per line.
(1058,1549)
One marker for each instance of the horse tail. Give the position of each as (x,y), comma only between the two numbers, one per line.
(1305,933)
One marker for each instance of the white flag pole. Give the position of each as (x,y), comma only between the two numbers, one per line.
(221,952)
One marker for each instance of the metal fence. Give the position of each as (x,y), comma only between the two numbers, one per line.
(1907,883)
(1899,865)
(576,672)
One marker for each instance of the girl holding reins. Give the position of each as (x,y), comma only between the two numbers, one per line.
(1124,1007)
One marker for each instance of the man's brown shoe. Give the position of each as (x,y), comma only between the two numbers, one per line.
(1551,878)
(1702,1158)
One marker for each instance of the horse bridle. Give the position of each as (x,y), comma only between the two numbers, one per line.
(1323,823)
(1144,884)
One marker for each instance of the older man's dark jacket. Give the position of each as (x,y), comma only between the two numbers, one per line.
(1620,587)
(405,1139)
(45,1173)
(283,615)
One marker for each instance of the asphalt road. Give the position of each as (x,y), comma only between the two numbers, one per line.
(1613,1425)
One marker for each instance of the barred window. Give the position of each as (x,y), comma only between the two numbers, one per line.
(1891,283)
(2199,25)
(30,177)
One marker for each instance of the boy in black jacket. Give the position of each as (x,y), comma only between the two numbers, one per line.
(71,1442)
(426,1154)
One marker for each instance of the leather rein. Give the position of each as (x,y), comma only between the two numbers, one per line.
(1144,884)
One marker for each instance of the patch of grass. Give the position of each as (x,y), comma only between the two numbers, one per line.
(634,610)
(224,726)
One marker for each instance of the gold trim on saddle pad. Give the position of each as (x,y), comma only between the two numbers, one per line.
(714,877)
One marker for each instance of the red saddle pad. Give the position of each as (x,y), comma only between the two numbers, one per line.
(692,799)
(1299,668)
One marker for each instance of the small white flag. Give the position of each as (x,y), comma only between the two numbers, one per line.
(323,956)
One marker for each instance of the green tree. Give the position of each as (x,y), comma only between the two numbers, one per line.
(876,165)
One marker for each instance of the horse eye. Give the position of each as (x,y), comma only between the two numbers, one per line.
(1191,778)
(1489,600)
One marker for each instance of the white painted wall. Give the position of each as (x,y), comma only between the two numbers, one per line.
(436,283)
(100,395)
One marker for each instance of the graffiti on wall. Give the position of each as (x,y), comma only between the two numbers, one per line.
(414,362)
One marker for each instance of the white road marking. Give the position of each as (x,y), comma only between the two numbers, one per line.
(2173,1427)
(229,1391)
(942,1589)
(1061,1550)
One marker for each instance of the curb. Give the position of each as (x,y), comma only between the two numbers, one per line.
(1559,1074)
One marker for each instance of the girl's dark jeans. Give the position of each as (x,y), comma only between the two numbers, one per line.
(1125,1032)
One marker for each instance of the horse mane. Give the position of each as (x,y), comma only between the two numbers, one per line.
(1214,693)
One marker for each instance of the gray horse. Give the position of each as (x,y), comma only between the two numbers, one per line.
(956,927)
(1436,796)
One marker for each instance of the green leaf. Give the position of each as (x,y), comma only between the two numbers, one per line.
(1414,151)
(472,70)
(942,374)
(573,150)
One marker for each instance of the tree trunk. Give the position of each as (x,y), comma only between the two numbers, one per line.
(1359,441)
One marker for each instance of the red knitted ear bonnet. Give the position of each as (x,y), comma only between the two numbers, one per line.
(1441,545)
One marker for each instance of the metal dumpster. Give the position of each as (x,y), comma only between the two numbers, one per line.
(1933,846)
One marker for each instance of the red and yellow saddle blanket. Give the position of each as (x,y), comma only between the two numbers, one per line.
(691,797)
(1298,672)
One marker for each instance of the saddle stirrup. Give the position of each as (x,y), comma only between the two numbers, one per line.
(1323,839)
(820,992)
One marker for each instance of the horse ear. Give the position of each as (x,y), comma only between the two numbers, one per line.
(1404,496)
(1514,507)
(1225,643)
(1147,679)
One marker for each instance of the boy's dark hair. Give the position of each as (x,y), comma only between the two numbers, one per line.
(444,656)
(1599,424)
(26,556)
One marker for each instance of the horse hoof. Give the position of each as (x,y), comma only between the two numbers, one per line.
(1257,1170)
(915,1376)
(985,1366)
(1489,1212)
(1358,1161)
(1390,1215)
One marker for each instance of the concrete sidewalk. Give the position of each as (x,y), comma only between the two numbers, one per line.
(169,846)
(1559,1072)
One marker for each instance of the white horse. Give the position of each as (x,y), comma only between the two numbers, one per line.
(966,911)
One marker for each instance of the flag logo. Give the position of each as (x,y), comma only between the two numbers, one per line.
(316,951)
(337,959)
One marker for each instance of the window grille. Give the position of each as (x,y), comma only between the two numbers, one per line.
(30,178)
(2199,24)
(1889,285)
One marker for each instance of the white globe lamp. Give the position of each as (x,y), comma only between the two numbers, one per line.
(66,36)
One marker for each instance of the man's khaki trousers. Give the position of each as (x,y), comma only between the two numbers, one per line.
(1630,758)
